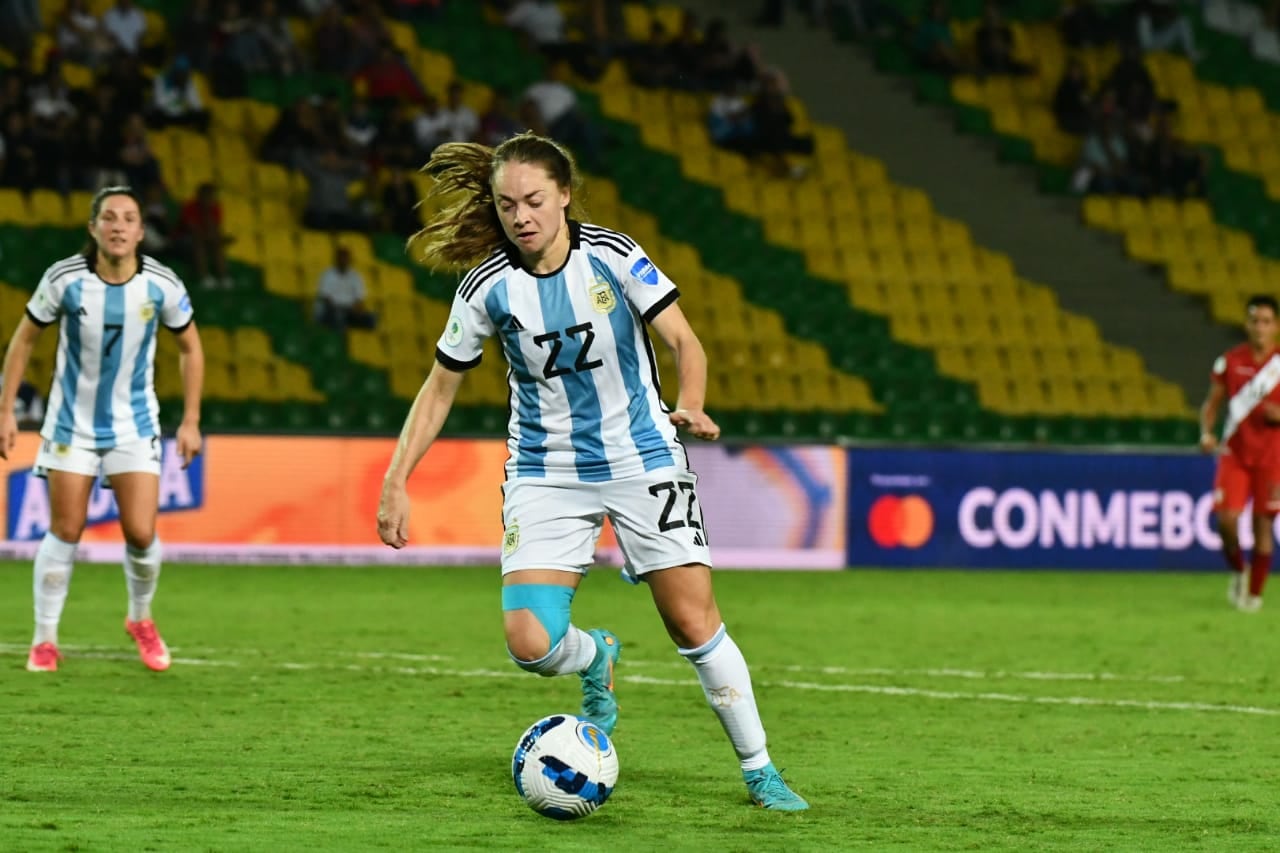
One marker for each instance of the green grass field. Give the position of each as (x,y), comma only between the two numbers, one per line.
(375,709)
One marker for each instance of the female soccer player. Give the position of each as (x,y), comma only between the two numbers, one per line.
(102,412)
(589,435)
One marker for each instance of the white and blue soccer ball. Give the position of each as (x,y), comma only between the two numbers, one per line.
(564,767)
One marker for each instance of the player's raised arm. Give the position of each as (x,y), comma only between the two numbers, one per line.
(421,427)
(15,365)
(691,367)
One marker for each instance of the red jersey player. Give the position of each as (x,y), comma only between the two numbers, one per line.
(1247,377)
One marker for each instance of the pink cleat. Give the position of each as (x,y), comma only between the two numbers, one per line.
(43,658)
(152,650)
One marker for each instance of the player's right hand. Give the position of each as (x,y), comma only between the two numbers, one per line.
(393,516)
(1208,442)
(8,433)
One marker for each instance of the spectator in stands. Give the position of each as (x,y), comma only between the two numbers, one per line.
(52,118)
(295,133)
(329,206)
(80,35)
(192,34)
(397,143)
(330,39)
(1082,25)
(200,230)
(28,408)
(722,63)
(429,126)
(368,34)
(129,85)
(541,21)
(360,127)
(19,24)
(279,50)
(498,123)
(21,167)
(160,220)
(388,79)
(91,154)
(1072,101)
(685,53)
(127,26)
(1170,167)
(400,201)
(932,43)
(1104,159)
(136,159)
(1161,25)
(993,41)
(772,126)
(341,294)
(175,100)
(651,63)
(556,105)
(461,124)
(1130,80)
(729,120)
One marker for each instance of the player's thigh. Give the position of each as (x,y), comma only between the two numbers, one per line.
(70,473)
(549,524)
(133,469)
(658,520)
(1231,486)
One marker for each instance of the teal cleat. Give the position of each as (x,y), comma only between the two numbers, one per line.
(598,702)
(769,791)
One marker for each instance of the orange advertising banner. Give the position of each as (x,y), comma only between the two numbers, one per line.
(281,499)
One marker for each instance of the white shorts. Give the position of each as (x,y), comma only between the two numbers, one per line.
(142,456)
(554,524)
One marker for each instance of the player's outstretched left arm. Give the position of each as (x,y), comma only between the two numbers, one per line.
(191,363)
(15,365)
(691,366)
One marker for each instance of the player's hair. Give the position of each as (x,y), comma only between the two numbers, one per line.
(1262,300)
(95,208)
(467,228)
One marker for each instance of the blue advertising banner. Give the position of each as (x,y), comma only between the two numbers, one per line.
(997,509)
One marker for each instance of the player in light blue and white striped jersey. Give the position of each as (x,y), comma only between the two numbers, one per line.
(102,417)
(589,435)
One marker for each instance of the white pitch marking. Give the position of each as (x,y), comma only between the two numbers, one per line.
(874,689)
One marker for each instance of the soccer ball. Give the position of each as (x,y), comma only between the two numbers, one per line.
(564,767)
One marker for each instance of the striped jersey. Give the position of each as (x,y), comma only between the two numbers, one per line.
(103,392)
(583,381)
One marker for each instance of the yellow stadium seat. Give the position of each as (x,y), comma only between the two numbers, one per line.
(47,207)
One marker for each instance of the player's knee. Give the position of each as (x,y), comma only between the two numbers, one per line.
(536,617)
(67,529)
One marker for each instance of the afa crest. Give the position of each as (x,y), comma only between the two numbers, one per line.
(511,538)
(602,298)
(147,311)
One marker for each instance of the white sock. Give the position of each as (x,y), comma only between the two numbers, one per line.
(571,655)
(722,671)
(52,577)
(141,575)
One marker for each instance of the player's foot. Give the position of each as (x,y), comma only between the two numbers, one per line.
(43,658)
(1249,603)
(769,791)
(1237,588)
(152,650)
(598,702)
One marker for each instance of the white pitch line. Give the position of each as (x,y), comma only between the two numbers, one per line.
(989,697)
(873,689)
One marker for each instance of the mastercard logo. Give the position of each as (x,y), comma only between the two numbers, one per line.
(900,521)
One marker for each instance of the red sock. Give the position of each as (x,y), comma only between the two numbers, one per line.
(1235,557)
(1260,566)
